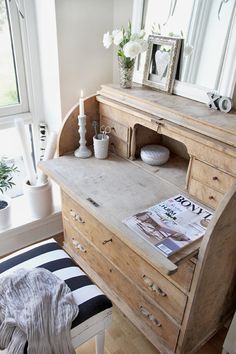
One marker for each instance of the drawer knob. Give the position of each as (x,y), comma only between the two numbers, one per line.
(154,320)
(215,178)
(158,290)
(78,246)
(152,286)
(211,197)
(75,216)
(144,312)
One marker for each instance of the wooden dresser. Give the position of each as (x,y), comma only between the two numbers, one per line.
(179,302)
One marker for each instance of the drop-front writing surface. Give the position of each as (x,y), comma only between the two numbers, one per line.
(167,299)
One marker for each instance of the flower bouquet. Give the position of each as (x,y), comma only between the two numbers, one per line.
(129,46)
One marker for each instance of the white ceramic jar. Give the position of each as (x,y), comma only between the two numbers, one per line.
(39,199)
(5,213)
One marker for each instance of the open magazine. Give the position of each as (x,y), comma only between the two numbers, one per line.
(172,224)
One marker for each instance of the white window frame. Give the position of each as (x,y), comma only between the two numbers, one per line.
(15,31)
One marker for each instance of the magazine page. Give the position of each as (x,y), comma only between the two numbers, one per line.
(171,224)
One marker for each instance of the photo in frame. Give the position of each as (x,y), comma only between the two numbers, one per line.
(161,62)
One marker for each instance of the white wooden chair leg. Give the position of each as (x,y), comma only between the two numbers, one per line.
(100,342)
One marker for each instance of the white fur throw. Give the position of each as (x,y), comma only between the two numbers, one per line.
(38,308)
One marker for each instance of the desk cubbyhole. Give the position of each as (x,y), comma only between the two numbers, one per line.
(175,169)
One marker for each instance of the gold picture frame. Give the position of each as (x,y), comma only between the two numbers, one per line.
(161,62)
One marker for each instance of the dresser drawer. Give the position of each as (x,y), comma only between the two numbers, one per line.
(124,289)
(211,176)
(159,288)
(204,193)
(117,130)
(119,147)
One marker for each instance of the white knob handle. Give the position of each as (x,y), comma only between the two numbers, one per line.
(75,216)
(144,311)
(154,321)
(152,286)
(78,246)
(151,317)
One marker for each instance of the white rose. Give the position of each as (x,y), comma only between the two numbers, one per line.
(132,49)
(107,40)
(118,37)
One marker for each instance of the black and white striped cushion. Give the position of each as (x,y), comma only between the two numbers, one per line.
(49,255)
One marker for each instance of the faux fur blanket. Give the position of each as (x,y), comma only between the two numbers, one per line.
(38,308)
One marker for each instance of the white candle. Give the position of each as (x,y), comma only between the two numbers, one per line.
(81,103)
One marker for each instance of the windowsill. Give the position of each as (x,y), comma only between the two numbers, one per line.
(25,229)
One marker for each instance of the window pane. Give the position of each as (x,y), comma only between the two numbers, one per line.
(10,148)
(8,81)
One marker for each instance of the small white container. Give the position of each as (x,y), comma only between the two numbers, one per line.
(155,155)
(100,145)
(39,199)
(5,214)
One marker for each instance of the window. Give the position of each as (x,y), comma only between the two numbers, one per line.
(13,92)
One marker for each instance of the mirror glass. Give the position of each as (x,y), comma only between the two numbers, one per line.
(205,26)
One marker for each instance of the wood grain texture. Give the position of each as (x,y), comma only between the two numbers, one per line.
(212,294)
(122,181)
(180,110)
(201,288)
(210,176)
(122,291)
(132,266)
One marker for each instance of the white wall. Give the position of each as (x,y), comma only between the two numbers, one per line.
(83,61)
(48,58)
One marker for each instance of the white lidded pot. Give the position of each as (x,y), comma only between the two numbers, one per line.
(5,212)
(155,155)
(39,198)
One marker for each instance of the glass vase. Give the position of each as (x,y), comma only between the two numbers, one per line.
(126,71)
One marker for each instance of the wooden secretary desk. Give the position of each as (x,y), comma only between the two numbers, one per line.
(177,302)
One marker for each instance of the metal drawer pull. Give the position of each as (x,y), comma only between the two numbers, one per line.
(106,241)
(78,246)
(153,287)
(75,216)
(151,317)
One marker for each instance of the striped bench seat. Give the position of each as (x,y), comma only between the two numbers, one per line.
(95,308)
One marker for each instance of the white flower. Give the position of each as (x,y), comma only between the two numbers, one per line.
(118,37)
(132,49)
(107,40)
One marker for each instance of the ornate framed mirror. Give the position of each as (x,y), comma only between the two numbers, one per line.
(208,28)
